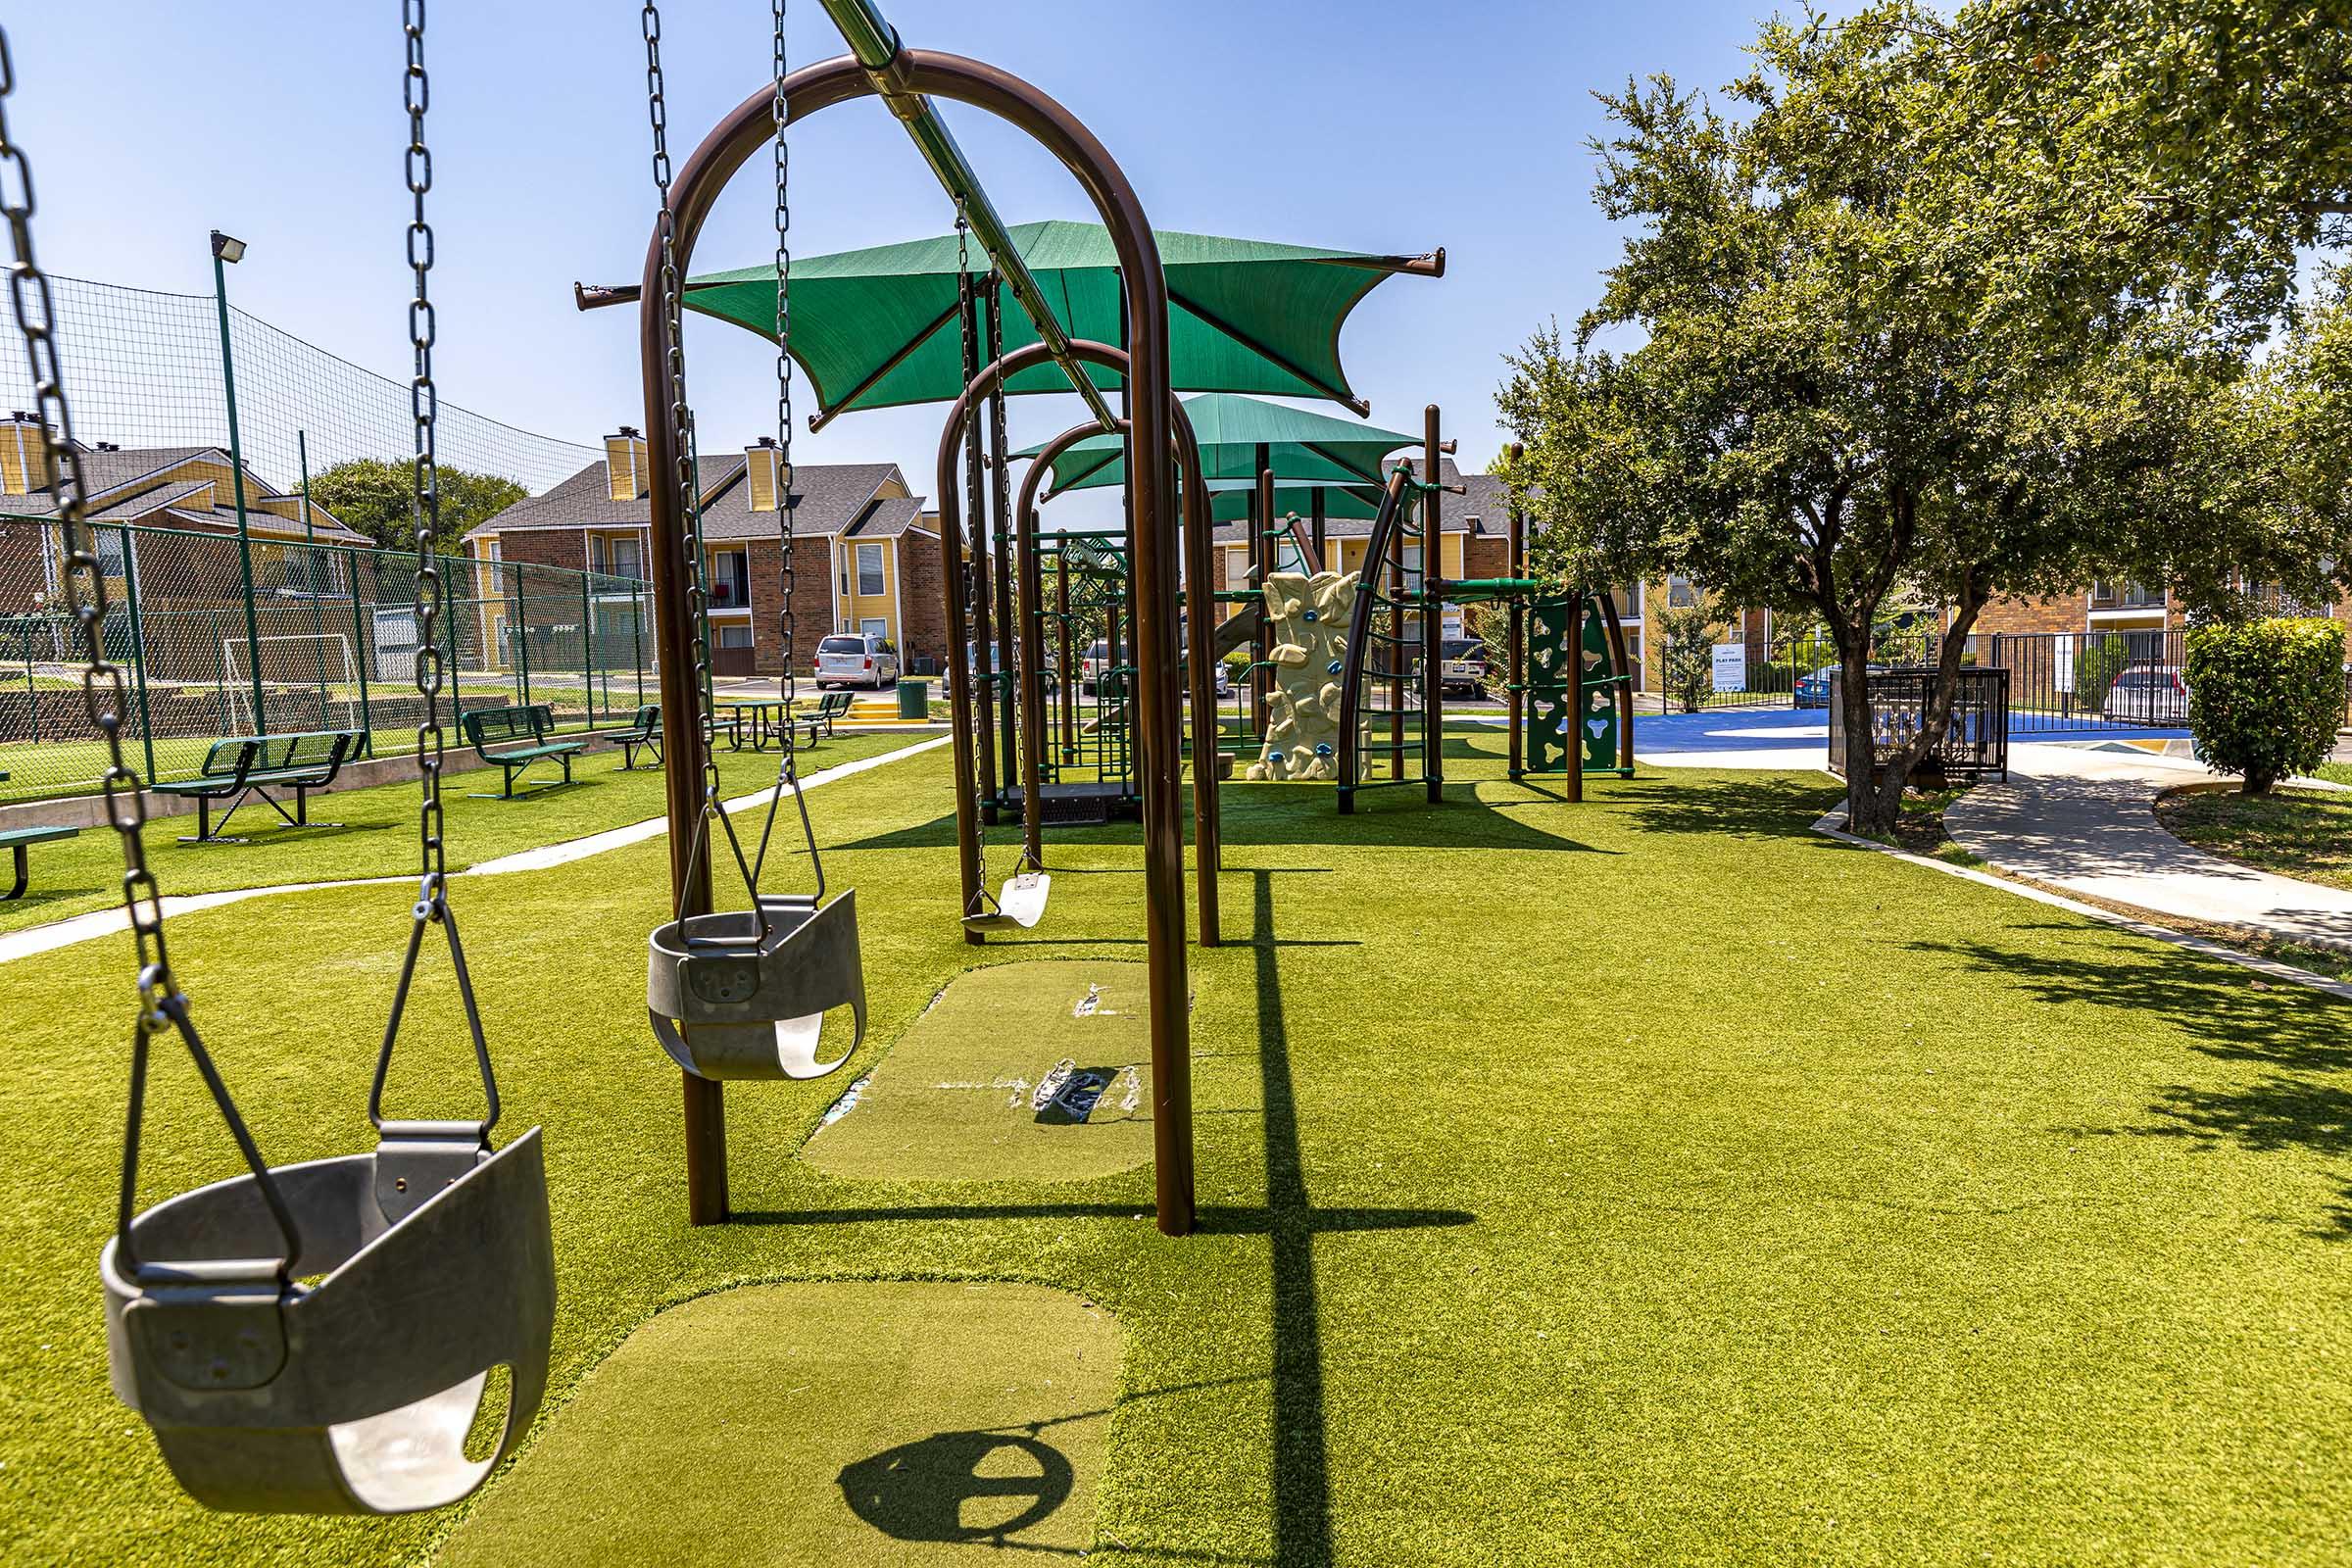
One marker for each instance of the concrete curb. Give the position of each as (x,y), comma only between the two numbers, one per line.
(1828,828)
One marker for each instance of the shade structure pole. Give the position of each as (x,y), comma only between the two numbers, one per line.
(1028,590)
(874,44)
(1576,695)
(1262,524)
(1321,537)
(749,130)
(1433,583)
(1515,639)
(1066,671)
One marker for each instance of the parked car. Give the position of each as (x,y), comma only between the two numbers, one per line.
(2147,694)
(1813,690)
(1462,665)
(1091,663)
(856,658)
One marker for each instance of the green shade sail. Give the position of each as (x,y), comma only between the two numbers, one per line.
(1302,447)
(877,328)
(1229,501)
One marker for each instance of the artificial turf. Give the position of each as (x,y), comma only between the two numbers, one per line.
(1648,1181)
(377,835)
(2298,833)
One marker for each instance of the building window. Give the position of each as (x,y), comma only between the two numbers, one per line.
(1629,604)
(869,570)
(613,554)
(1682,592)
(730,580)
(876,626)
(112,557)
(734,633)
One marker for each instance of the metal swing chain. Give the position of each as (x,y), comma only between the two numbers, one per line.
(424,409)
(105,698)
(1010,587)
(785,507)
(974,578)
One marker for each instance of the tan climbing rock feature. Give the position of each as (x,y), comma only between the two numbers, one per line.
(1308,618)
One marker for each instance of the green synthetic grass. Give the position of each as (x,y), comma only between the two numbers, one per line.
(1649,1180)
(378,832)
(955,1099)
(2336,772)
(2298,833)
(854,1425)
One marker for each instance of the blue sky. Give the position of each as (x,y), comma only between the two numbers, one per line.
(1370,125)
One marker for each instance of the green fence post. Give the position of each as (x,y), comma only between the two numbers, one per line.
(360,643)
(588,650)
(139,646)
(637,640)
(457,710)
(522,640)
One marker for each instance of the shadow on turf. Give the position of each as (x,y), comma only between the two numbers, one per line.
(1297,815)
(2304,1042)
(1759,807)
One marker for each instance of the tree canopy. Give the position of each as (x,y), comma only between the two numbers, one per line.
(377,498)
(1863,367)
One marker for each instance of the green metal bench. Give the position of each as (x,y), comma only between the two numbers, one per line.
(523,731)
(829,708)
(18,839)
(643,734)
(241,767)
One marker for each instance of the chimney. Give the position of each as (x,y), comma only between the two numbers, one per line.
(626,465)
(763,465)
(23,456)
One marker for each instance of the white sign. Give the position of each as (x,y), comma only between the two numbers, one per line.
(1731,666)
(2065,662)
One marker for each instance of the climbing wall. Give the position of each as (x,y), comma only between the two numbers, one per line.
(1563,696)
(1308,618)
(1550,686)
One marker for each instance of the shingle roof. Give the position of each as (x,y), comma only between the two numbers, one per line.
(886,518)
(827,498)
(148,501)
(107,470)
(585,500)
(257,522)
(1484,509)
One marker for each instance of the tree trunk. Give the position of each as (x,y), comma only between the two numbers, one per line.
(1862,806)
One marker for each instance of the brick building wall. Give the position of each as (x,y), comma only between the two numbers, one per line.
(921,601)
(811,601)
(545,547)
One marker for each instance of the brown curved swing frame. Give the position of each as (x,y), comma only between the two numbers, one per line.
(906,76)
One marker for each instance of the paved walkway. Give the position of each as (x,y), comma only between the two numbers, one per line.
(106,922)
(2084,820)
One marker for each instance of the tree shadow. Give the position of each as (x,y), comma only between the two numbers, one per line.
(2305,1040)
(1268,813)
(1770,806)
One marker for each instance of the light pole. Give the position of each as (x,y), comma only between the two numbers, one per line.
(227,250)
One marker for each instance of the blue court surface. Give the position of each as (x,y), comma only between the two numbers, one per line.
(1766,729)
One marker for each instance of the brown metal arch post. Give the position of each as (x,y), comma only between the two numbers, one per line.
(1625,679)
(1207,848)
(747,130)
(1515,698)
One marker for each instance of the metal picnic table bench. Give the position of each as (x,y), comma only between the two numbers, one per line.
(643,734)
(16,839)
(528,727)
(239,768)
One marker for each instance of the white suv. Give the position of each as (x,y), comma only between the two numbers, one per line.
(856,658)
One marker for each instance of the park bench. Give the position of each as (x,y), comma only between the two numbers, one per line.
(643,734)
(523,732)
(18,839)
(831,706)
(241,767)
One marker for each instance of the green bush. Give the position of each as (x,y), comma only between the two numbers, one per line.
(2099,659)
(2264,697)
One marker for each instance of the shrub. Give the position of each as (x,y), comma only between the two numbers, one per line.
(2099,659)
(1688,670)
(2264,697)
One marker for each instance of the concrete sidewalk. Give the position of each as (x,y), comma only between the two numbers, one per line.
(2085,820)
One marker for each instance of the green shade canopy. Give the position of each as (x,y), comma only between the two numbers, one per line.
(1229,500)
(877,328)
(1302,447)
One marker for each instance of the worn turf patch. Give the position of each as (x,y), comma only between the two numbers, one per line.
(847,1423)
(1021,1071)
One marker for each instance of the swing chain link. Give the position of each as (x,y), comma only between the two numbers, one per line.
(975,574)
(681,417)
(424,409)
(785,506)
(105,697)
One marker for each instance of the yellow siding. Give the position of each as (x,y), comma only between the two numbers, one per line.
(853,608)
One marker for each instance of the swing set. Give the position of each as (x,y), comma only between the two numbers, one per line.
(319,1338)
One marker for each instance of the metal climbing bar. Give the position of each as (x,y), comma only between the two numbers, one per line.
(874,44)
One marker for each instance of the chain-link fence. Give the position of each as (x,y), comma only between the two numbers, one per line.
(326,640)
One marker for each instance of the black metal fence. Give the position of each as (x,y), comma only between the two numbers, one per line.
(2059,682)
(1976,742)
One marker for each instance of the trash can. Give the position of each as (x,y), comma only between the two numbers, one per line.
(914,699)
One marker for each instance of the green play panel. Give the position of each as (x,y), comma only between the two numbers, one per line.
(844,1424)
(1020,1071)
